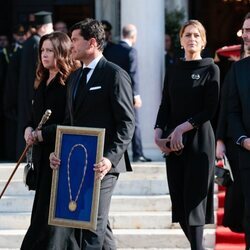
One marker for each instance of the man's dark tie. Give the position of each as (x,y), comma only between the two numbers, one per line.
(81,83)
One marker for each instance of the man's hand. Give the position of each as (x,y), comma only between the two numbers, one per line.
(246,144)
(54,161)
(220,149)
(102,168)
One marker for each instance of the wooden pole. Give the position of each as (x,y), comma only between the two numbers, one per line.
(45,117)
(15,169)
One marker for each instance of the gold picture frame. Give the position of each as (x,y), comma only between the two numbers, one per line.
(75,190)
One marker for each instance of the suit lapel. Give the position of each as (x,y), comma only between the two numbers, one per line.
(72,86)
(94,79)
(247,83)
(244,82)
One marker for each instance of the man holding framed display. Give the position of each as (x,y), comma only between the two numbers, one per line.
(99,96)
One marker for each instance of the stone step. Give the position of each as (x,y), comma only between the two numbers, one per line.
(126,203)
(155,238)
(123,187)
(7,168)
(140,211)
(21,203)
(9,248)
(144,220)
(15,220)
(129,248)
(133,203)
(147,170)
(141,187)
(118,220)
(16,187)
(144,248)
(146,179)
(11,238)
(132,239)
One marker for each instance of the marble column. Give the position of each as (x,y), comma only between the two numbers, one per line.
(109,10)
(148,16)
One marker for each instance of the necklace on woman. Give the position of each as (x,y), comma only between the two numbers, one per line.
(73,203)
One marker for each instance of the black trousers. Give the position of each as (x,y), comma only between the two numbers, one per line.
(245,179)
(75,239)
(136,140)
(103,237)
(234,199)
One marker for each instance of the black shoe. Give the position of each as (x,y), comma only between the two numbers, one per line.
(141,159)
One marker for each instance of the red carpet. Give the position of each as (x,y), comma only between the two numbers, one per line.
(225,239)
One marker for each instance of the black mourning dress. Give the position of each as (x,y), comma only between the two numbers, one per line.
(191,91)
(41,236)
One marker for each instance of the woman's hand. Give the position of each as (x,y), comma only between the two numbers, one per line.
(28,136)
(176,143)
(220,149)
(162,143)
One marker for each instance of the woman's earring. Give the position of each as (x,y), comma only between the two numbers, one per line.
(182,47)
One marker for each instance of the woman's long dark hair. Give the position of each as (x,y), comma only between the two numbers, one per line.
(62,51)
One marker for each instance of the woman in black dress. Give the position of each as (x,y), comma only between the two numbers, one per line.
(189,101)
(54,66)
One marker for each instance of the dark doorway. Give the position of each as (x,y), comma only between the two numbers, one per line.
(72,13)
(221,18)
(69,11)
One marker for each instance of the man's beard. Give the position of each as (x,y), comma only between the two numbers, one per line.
(247,48)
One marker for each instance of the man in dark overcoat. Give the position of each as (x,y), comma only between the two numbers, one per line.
(10,105)
(125,55)
(29,57)
(239,120)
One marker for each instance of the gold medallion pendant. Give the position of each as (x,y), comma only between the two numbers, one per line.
(73,203)
(72,206)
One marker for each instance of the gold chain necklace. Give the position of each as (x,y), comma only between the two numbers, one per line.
(73,203)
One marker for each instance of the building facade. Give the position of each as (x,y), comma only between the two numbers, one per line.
(148,16)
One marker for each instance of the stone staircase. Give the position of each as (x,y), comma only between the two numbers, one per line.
(140,212)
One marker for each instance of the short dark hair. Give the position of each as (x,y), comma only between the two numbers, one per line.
(91,28)
(106,25)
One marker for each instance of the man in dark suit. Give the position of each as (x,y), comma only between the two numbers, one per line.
(124,55)
(108,44)
(239,120)
(105,101)
(20,34)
